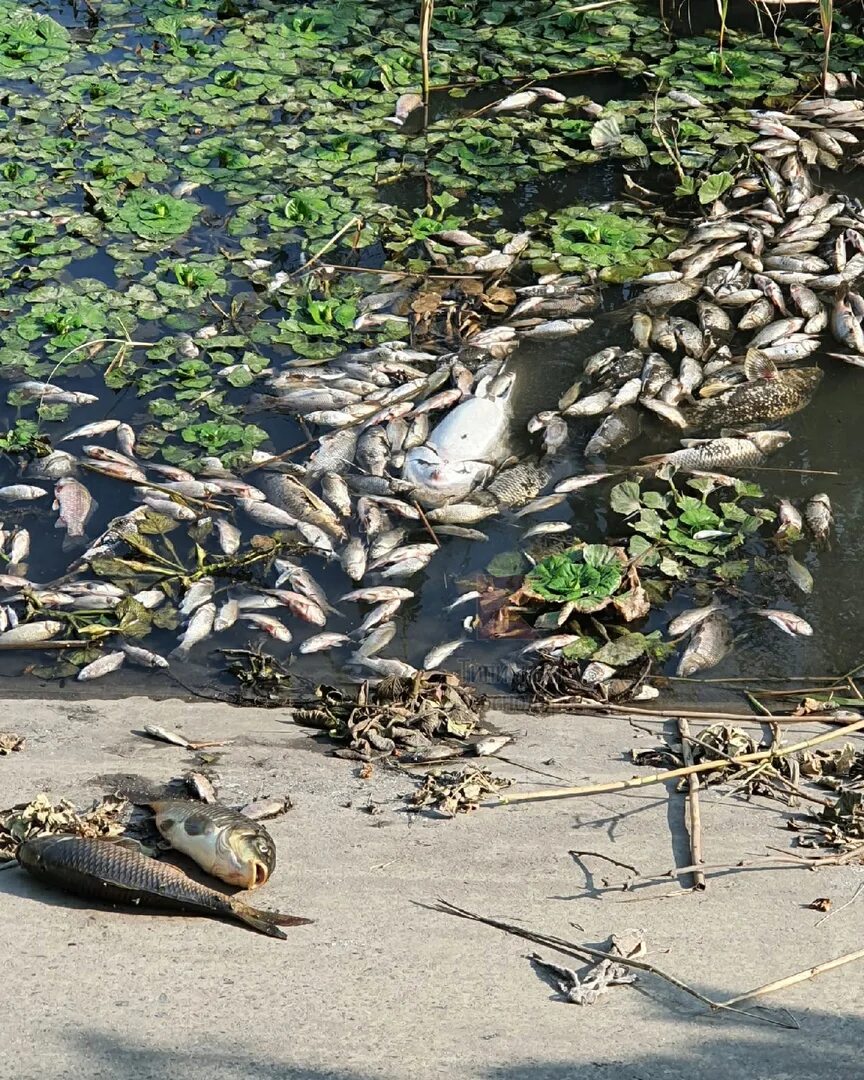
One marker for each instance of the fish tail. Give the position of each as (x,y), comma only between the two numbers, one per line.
(265,922)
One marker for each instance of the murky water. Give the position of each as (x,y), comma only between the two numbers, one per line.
(826,438)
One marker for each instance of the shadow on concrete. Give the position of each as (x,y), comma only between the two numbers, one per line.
(826,1047)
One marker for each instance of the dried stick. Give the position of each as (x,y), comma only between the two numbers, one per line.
(799,976)
(356,220)
(674,774)
(608,858)
(804,862)
(695,813)
(572,948)
(425,521)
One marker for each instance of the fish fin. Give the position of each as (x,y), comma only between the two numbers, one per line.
(694,442)
(758,366)
(266,922)
(654,459)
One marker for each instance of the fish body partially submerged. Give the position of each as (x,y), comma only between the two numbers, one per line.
(114,874)
(759,400)
(462,450)
(222,841)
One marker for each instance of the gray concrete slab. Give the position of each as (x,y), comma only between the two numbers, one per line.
(382,988)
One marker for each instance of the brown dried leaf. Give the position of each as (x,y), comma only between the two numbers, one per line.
(821,903)
(9,741)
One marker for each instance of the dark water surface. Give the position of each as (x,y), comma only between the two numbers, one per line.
(827,436)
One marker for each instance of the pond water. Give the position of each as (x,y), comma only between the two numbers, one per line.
(253,107)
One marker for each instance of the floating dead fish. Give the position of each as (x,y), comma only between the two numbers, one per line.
(321,642)
(545,502)
(436,657)
(269,625)
(819,517)
(799,574)
(103,666)
(709,645)
(789,623)
(143,657)
(690,619)
(547,528)
(576,483)
(21,493)
(31,633)
(199,627)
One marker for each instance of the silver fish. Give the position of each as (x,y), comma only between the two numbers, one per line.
(335,453)
(384,666)
(271,626)
(199,627)
(380,613)
(708,646)
(197,594)
(336,492)
(320,642)
(125,436)
(377,593)
(301,606)
(436,657)
(143,657)
(575,483)
(618,429)
(21,493)
(19,546)
(545,528)
(30,633)
(228,535)
(592,405)
(75,505)
(169,508)
(799,574)
(227,615)
(53,466)
(100,427)
(790,520)
(789,623)
(265,513)
(377,640)
(103,666)
(460,514)
(353,559)
(690,619)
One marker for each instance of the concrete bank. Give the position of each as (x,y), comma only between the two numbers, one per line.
(380,987)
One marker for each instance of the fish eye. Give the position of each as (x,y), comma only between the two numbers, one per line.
(262,845)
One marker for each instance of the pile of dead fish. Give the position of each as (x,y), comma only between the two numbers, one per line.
(416,443)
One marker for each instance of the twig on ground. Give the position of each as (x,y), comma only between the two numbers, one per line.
(695,814)
(674,774)
(573,948)
(792,980)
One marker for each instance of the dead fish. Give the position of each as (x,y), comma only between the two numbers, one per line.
(336,492)
(463,599)
(117,471)
(199,627)
(265,513)
(269,625)
(724,453)
(844,326)
(353,559)
(169,508)
(690,619)
(302,582)
(100,427)
(436,657)
(196,595)
(819,517)
(799,574)
(708,646)
(615,431)
(143,657)
(301,606)
(377,593)
(320,642)
(53,466)
(556,329)
(21,493)
(666,411)
(76,506)
(550,644)
(227,615)
(221,841)
(228,534)
(790,624)
(545,502)
(460,514)
(546,528)
(19,546)
(592,405)
(462,532)
(31,633)
(377,615)
(125,436)
(790,520)
(377,640)
(385,666)
(575,483)
(759,400)
(103,666)
(112,873)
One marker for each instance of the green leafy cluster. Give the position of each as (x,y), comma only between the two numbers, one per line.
(678,533)
(582,576)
